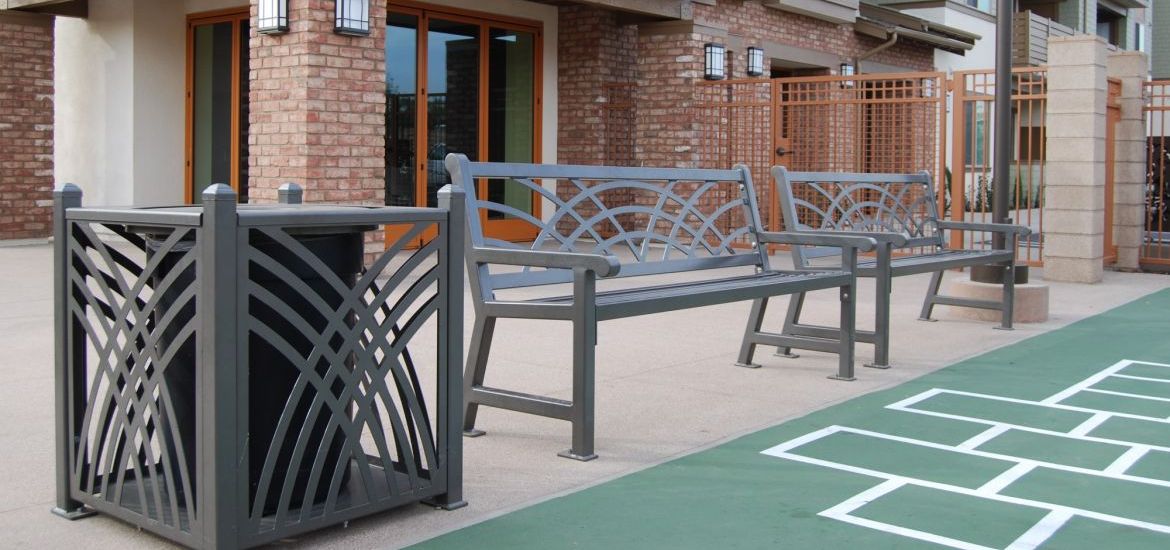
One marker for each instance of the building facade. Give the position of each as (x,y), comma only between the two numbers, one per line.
(150,101)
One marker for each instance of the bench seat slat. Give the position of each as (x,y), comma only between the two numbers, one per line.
(934,261)
(616,304)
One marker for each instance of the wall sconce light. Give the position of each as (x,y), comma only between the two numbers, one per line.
(272,17)
(352,17)
(715,67)
(755,61)
(847,69)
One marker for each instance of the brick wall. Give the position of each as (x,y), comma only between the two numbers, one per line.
(317,108)
(26,126)
(756,23)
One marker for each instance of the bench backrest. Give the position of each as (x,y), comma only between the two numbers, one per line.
(659,220)
(898,203)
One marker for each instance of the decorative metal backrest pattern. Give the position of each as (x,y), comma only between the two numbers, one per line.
(271,334)
(896,203)
(659,220)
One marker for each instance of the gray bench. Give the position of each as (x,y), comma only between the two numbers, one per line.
(899,211)
(626,222)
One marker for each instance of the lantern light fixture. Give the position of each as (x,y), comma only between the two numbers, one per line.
(755,61)
(352,17)
(715,56)
(272,17)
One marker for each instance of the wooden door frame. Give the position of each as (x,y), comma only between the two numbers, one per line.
(206,18)
(514,230)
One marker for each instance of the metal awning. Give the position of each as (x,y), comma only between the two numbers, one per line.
(881,22)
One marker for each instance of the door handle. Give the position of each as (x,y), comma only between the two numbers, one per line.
(780,151)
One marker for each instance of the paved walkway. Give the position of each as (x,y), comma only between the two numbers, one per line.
(665,389)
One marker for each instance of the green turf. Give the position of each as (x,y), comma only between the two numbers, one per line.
(994,410)
(1054,449)
(1136,387)
(905,459)
(1154,465)
(1134,430)
(1088,534)
(1116,497)
(1147,371)
(732,496)
(952,515)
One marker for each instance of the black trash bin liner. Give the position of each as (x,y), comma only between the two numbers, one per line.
(272,375)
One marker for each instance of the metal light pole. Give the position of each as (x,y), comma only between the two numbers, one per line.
(1001,171)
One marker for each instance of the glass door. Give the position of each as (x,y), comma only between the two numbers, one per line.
(460,83)
(217,102)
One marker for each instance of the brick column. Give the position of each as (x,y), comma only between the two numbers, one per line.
(1074,196)
(670,60)
(1129,173)
(26,125)
(317,108)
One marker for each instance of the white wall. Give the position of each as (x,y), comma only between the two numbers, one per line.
(982,56)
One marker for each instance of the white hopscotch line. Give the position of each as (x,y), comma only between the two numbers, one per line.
(1042,531)
(1143,378)
(1127,460)
(1130,395)
(1058,515)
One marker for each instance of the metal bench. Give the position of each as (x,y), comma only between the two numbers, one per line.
(626,222)
(900,212)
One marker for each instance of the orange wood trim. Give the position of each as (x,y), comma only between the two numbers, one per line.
(471,16)
(237,16)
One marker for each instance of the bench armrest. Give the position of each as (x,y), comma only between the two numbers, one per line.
(819,238)
(603,266)
(1008,228)
(897,240)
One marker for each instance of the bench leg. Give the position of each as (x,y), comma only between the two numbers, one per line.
(791,319)
(477,358)
(882,290)
(1009,296)
(848,332)
(747,350)
(931,293)
(584,344)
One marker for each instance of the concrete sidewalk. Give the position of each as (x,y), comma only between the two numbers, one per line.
(666,387)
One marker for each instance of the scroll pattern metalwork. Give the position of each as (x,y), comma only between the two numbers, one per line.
(134,313)
(354,432)
(905,208)
(655,220)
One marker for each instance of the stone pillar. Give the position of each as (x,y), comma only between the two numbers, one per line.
(26,125)
(1074,196)
(1129,171)
(317,108)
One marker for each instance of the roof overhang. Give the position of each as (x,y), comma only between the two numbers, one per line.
(71,8)
(649,10)
(881,22)
(833,11)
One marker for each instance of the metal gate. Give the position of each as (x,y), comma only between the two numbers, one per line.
(1155,248)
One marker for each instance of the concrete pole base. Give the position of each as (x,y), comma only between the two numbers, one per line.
(1031,304)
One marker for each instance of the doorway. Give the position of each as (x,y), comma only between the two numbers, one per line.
(461,82)
(217,102)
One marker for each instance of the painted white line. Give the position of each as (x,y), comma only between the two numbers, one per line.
(1064,407)
(1001,481)
(865,497)
(1127,460)
(1159,528)
(784,450)
(1167,365)
(1080,386)
(1130,395)
(1089,425)
(802,440)
(1143,378)
(913,400)
(984,436)
(1042,531)
(908,533)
